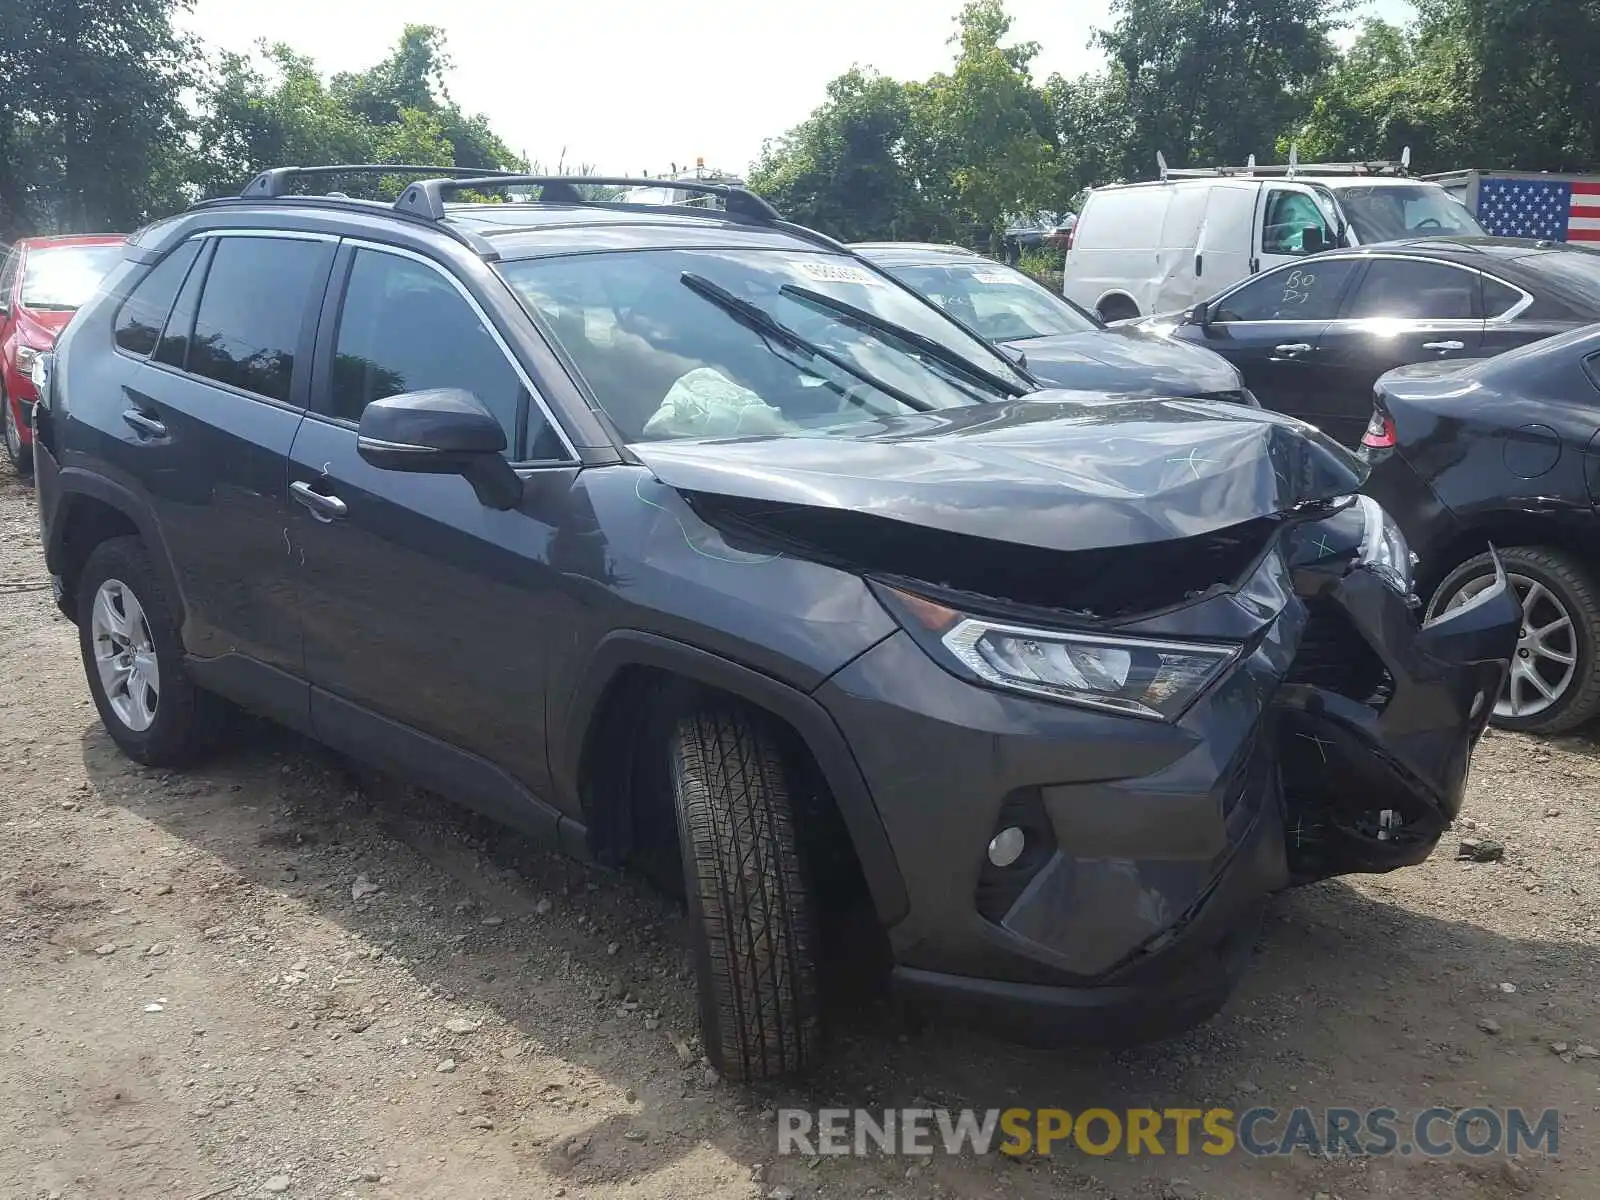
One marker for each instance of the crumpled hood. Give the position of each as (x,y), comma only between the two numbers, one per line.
(1056,470)
(1127,360)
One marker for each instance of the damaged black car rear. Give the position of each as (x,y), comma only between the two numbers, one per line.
(695,542)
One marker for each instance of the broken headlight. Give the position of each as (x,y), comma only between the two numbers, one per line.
(1134,676)
(1384,548)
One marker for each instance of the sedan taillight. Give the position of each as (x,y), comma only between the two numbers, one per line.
(1380,434)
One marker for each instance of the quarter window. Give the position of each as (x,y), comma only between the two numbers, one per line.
(405,328)
(1499,298)
(1414,290)
(252,311)
(144,312)
(1303,292)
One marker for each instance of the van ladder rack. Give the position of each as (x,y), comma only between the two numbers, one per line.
(1289,170)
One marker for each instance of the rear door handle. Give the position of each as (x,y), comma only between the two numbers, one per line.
(1290,349)
(1450,345)
(323,508)
(144,426)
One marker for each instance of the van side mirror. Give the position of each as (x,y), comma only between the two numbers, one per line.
(1313,240)
(444,431)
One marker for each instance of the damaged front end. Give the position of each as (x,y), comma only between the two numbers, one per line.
(1154,661)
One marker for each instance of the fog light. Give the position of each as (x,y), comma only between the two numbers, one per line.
(1007,846)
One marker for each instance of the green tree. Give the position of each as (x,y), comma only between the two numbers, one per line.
(842,170)
(91,127)
(1206,81)
(986,136)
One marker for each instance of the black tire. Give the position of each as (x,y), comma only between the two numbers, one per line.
(1573,586)
(754,928)
(187,719)
(19,456)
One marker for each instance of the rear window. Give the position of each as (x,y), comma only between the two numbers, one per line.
(64,278)
(1122,218)
(1001,304)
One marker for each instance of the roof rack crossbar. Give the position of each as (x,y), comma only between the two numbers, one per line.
(1290,169)
(278,181)
(426,197)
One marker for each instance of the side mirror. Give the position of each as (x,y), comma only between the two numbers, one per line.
(445,431)
(1199,315)
(1312,240)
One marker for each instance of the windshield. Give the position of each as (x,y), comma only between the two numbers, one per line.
(1392,212)
(1572,274)
(64,277)
(711,343)
(1002,304)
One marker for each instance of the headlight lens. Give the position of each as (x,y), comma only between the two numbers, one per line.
(1384,548)
(1156,680)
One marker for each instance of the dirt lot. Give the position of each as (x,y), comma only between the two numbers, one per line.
(196,1003)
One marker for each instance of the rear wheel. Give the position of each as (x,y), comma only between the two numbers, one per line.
(133,658)
(753,919)
(1117,308)
(1554,683)
(20,456)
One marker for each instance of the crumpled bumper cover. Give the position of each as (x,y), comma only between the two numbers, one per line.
(1163,840)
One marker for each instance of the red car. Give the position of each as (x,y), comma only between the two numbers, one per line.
(43,282)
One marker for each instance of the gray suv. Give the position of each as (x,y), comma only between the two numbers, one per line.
(685,536)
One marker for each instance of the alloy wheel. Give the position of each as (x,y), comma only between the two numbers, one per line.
(1546,660)
(125,655)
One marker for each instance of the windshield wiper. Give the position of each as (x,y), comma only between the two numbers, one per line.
(927,345)
(755,318)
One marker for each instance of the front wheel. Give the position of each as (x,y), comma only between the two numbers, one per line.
(754,930)
(18,453)
(1554,684)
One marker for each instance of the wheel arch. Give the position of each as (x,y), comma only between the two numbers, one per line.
(626,657)
(91,509)
(1116,300)
(1502,530)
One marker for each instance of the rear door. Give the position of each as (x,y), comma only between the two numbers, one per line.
(1224,254)
(1270,327)
(427,615)
(1401,311)
(206,417)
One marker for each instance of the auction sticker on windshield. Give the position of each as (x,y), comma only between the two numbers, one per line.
(839,272)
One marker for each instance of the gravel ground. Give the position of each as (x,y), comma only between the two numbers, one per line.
(261,978)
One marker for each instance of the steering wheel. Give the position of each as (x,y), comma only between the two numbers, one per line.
(1429,223)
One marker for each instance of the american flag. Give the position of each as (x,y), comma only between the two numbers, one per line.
(1557,210)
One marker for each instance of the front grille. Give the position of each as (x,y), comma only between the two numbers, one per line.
(1335,657)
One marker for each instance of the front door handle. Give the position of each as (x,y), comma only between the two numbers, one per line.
(145,426)
(1292,348)
(1449,345)
(323,508)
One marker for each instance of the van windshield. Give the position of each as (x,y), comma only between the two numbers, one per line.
(1393,212)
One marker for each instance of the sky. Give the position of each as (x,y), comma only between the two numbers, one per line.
(637,85)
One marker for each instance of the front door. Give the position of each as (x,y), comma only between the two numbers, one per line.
(1401,311)
(427,615)
(1271,327)
(1290,224)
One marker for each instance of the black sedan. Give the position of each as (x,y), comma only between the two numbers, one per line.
(1313,336)
(1503,452)
(1055,340)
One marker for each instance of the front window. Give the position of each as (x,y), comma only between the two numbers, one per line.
(1001,304)
(64,278)
(1392,212)
(1289,215)
(715,343)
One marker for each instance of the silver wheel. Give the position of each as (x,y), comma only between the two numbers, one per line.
(125,655)
(1546,661)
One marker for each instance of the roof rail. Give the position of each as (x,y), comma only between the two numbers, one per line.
(425,198)
(1289,170)
(276,182)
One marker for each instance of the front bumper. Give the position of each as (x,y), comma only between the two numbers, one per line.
(1155,845)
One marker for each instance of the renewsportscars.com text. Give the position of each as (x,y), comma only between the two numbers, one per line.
(1262,1132)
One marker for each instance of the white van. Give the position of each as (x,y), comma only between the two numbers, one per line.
(1144,248)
